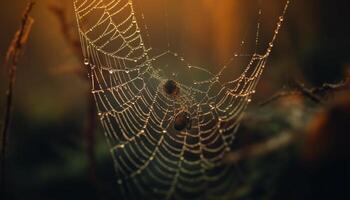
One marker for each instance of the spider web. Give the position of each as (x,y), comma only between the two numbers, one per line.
(152,159)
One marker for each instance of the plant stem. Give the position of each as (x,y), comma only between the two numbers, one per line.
(11,62)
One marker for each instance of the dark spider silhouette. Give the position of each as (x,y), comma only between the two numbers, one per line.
(171,88)
(182,121)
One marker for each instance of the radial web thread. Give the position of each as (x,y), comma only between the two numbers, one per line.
(152,159)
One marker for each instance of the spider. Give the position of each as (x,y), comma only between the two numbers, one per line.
(182,121)
(171,88)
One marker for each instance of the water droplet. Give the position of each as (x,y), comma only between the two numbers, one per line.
(86,61)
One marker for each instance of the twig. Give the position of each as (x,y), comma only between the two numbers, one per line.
(308,92)
(89,132)
(277,96)
(271,145)
(315,94)
(11,61)
(327,87)
(67,32)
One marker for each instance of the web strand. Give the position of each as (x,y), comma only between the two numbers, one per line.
(153,159)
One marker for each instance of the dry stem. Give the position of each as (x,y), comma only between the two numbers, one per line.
(315,94)
(11,61)
(271,145)
(89,132)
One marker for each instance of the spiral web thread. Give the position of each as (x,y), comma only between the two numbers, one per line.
(151,158)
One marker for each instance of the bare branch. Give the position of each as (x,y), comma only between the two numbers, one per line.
(277,96)
(11,61)
(68,34)
(89,132)
(259,149)
(315,94)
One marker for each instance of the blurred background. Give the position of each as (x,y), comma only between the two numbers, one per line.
(57,152)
